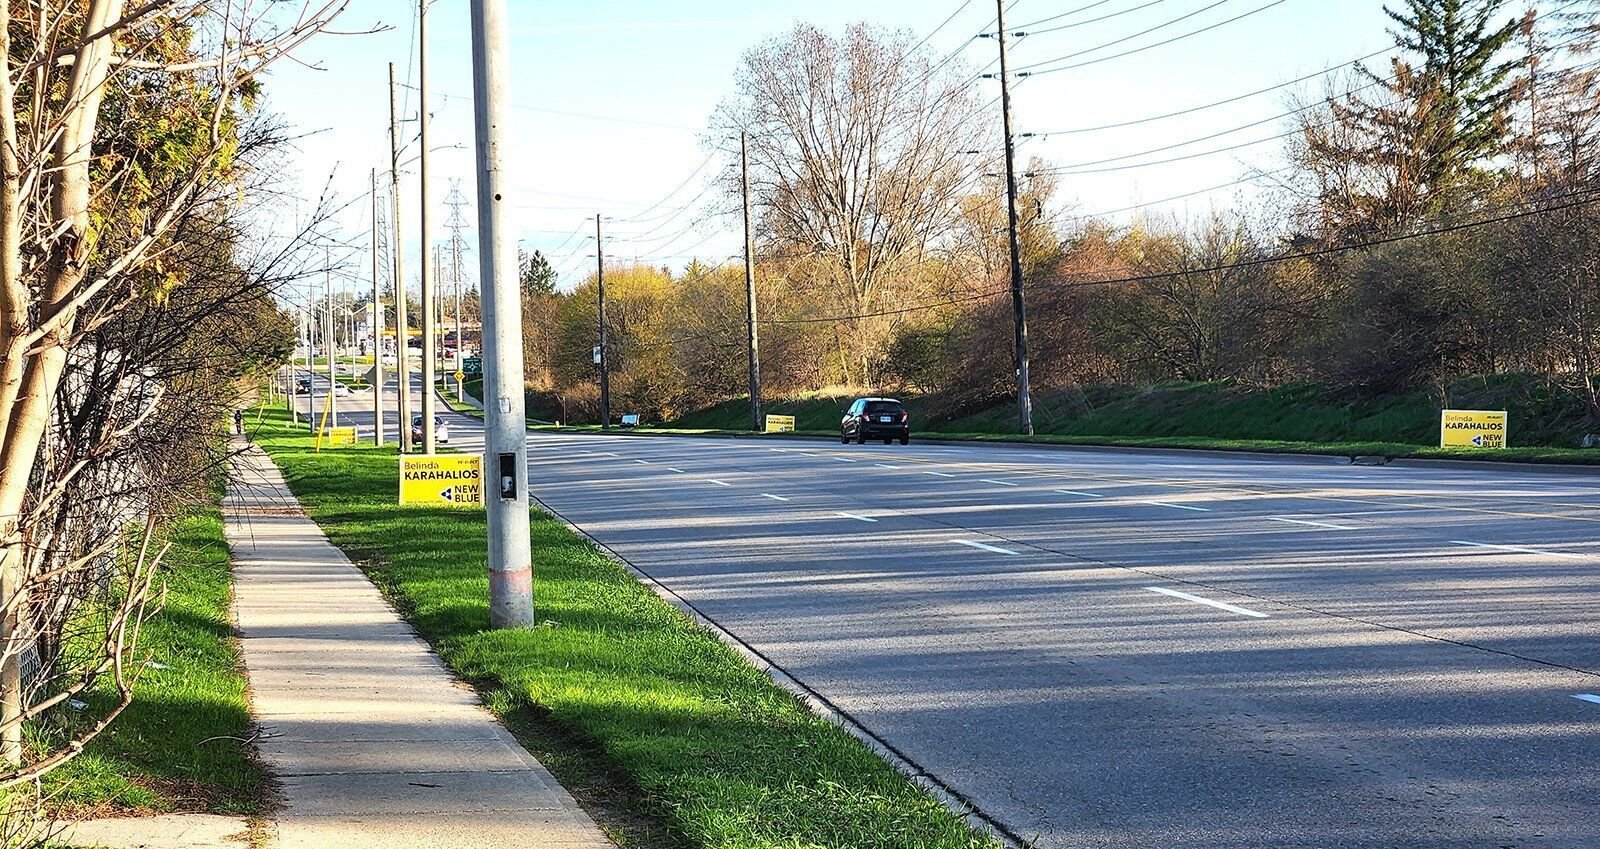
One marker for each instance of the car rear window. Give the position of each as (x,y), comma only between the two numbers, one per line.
(874,407)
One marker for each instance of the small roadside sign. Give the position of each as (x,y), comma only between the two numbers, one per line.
(441,479)
(1473,429)
(472,365)
(460,375)
(340,436)
(780,424)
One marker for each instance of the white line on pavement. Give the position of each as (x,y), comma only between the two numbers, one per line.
(885,466)
(857,518)
(642,462)
(807,453)
(846,460)
(1178,506)
(939,474)
(995,549)
(1519,549)
(1329,525)
(717,482)
(1243,611)
(773,497)
(1084,494)
(997,483)
(1588,697)
(679,471)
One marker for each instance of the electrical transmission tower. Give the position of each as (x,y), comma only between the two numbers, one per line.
(457,225)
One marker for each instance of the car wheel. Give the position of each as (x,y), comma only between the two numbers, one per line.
(905,440)
(888,440)
(861,438)
(844,438)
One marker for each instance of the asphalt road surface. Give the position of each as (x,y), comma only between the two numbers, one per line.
(1115,649)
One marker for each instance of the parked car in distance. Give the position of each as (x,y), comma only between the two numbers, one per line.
(341,389)
(441,431)
(876,418)
(303,385)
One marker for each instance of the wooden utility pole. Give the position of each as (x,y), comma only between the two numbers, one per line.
(751,331)
(1019,308)
(605,355)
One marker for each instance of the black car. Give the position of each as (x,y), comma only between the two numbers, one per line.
(876,418)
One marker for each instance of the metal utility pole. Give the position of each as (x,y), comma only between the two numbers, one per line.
(750,288)
(1019,309)
(429,438)
(605,355)
(377,326)
(294,371)
(402,331)
(455,201)
(505,491)
(327,342)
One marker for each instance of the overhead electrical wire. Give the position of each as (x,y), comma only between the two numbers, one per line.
(1032,70)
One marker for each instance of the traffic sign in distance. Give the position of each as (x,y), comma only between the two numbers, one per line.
(449,480)
(780,424)
(460,375)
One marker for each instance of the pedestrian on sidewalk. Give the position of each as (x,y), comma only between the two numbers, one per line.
(238,422)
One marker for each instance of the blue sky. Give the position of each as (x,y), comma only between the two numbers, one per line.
(651,73)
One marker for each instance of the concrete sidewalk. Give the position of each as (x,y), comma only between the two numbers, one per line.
(372,741)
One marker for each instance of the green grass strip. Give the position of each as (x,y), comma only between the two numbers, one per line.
(179,746)
(712,747)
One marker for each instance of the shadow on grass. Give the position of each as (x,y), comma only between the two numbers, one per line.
(697,737)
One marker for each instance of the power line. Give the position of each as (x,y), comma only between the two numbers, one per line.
(1033,32)
(1256,11)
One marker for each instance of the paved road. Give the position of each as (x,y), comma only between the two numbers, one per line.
(1108,649)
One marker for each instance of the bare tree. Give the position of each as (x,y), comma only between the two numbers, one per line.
(857,152)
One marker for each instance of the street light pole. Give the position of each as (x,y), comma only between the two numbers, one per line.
(505,493)
(1019,309)
(429,438)
(327,340)
(377,326)
(751,332)
(401,329)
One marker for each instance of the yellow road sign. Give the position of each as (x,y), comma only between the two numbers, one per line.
(340,435)
(780,424)
(1473,429)
(460,375)
(441,479)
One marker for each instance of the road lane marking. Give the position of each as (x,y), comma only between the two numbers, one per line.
(1329,525)
(642,462)
(679,471)
(1588,697)
(885,466)
(995,549)
(939,474)
(1519,549)
(773,497)
(807,453)
(1178,506)
(997,483)
(717,482)
(846,460)
(606,454)
(857,518)
(1243,611)
(1084,494)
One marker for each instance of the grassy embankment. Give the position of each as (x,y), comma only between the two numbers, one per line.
(1294,419)
(684,732)
(180,745)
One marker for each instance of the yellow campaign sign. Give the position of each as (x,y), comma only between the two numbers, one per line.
(441,479)
(340,435)
(1473,429)
(780,424)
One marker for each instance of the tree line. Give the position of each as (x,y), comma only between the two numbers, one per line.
(1433,217)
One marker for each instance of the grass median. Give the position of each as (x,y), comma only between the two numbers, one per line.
(180,746)
(706,745)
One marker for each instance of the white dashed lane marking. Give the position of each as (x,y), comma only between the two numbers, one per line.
(1307,522)
(985,547)
(773,497)
(857,518)
(1518,549)
(1242,611)
(1178,506)
(997,483)
(1076,492)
